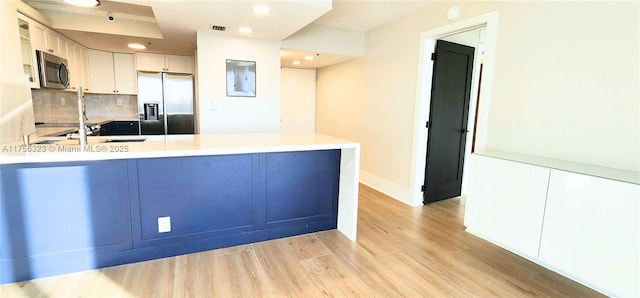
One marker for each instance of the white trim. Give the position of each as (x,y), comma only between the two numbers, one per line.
(423,93)
(391,189)
(472,114)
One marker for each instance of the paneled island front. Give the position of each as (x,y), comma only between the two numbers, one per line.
(64,208)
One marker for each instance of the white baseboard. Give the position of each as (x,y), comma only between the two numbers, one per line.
(392,189)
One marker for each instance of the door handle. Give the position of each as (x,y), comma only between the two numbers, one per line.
(464,130)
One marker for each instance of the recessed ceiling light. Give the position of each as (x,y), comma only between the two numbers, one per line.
(296,62)
(261,10)
(245,30)
(85,3)
(136,46)
(308,58)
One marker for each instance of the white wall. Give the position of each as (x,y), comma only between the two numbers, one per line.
(298,102)
(564,86)
(221,114)
(16,108)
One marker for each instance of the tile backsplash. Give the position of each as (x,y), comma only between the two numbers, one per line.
(55,106)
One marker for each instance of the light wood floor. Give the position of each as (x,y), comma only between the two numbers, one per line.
(401,251)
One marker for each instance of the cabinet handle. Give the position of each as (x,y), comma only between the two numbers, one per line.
(50,51)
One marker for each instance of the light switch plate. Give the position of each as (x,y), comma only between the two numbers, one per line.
(164,224)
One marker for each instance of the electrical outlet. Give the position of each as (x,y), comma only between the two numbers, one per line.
(164,224)
(119,101)
(62,101)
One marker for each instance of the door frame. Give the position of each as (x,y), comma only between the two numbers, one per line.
(423,95)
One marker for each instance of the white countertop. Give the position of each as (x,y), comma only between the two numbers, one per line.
(568,166)
(172,146)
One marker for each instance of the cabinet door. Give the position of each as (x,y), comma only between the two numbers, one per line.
(150,62)
(101,74)
(505,204)
(126,128)
(194,198)
(29,64)
(125,73)
(299,187)
(38,35)
(74,66)
(592,232)
(179,63)
(64,207)
(52,43)
(63,47)
(84,63)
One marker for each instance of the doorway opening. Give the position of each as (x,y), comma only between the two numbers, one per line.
(486,27)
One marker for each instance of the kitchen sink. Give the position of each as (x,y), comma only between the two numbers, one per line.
(126,140)
(45,142)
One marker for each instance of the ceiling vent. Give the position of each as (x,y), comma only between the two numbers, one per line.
(218,28)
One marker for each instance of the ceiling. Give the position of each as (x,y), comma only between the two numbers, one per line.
(171,26)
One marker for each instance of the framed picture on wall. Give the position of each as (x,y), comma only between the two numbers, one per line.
(241,78)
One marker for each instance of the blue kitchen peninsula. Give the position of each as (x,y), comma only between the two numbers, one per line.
(63,211)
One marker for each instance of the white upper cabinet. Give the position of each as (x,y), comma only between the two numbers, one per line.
(77,66)
(84,63)
(74,68)
(38,34)
(29,64)
(178,63)
(63,47)
(150,62)
(164,63)
(45,39)
(111,72)
(101,74)
(124,68)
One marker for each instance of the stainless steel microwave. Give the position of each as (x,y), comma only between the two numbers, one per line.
(53,71)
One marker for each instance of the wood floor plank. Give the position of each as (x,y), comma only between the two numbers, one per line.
(148,279)
(401,251)
(307,246)
(334,279)
(196,275)
(243,276)
(283,269)
(381,282)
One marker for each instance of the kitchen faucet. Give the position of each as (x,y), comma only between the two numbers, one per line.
(82,116)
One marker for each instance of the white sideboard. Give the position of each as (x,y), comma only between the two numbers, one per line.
(579,220)
(507,203)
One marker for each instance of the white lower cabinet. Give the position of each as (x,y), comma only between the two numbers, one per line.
(592,232)
(584,227)
(505,204)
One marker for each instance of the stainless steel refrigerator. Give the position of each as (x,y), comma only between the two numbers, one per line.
(165,102)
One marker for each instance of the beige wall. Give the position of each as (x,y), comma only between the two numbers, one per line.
(565,85)
(221,114)
(16,110)
(298,101)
